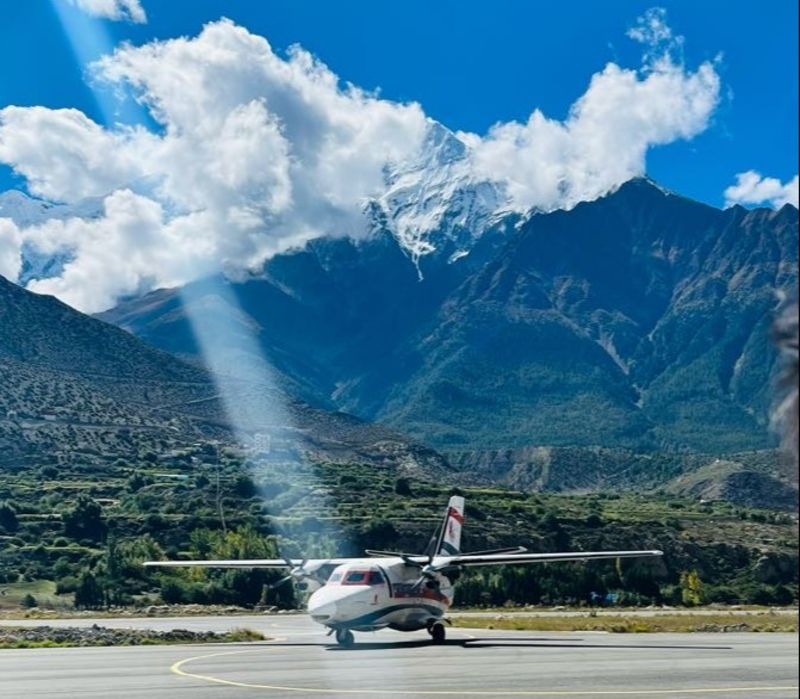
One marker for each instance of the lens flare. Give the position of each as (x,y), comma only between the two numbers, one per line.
(255,407)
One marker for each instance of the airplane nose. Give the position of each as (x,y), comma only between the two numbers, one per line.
(322,609)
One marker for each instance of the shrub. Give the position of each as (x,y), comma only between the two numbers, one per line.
(66,585)
(172,592)
(88,594)
(85,520)
(8,517)
(244,487)
(402,486)
(594,520)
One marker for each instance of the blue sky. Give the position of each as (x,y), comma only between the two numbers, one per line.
(469,64)
(204,135)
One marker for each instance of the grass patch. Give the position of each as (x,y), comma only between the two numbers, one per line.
(11,594)
(663,623)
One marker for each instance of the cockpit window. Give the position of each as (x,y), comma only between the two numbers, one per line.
(359,577)
(335,577)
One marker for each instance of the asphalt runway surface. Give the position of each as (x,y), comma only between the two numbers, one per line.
(300,661)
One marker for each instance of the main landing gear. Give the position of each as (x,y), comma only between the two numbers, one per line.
(436,630)
(344,637)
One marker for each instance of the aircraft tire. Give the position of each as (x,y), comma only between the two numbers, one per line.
(437,633)
(345,638)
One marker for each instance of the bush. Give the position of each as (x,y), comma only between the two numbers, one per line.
(29,601)
(85,520)
(474,512)
(172,592)
(244,487)
(723,594)
(136,482)
(402,486)
(88,594)
(8,517)
(594,520)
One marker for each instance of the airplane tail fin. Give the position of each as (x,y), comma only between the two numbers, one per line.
(449,541)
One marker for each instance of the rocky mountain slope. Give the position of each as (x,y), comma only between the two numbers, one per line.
(73,387)
(638,321)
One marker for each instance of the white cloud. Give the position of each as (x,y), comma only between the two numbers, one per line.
(123,252)
(65,156)
(117,10)
(660,42)
(752,188)
(258,153)
(605,138)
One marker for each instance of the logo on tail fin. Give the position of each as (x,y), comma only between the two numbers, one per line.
(450,536)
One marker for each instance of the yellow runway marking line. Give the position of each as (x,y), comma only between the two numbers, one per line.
(177,668)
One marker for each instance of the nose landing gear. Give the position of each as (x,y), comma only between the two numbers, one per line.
(345,638)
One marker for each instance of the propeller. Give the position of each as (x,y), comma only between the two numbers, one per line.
(427,574)
(296,573)
(409,561)
(428,570)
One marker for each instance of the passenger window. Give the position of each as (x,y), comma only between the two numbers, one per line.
(375,578)
(356,577)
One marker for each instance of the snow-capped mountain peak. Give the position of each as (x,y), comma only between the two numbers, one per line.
(434,201)
(27,211)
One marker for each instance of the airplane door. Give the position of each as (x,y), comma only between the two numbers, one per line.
(380,588)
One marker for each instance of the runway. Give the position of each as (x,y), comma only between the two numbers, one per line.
(301,662)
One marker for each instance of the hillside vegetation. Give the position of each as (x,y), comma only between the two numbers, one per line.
(81,531)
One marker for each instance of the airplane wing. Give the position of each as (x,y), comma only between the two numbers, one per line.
(310,564)
(524,558)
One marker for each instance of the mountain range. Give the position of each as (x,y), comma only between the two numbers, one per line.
(624,340)
(639,320)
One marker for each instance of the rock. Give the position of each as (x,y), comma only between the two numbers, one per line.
(97,635)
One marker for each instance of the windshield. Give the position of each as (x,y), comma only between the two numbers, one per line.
(357,576)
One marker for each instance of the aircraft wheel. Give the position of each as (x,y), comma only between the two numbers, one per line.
(437,633)
(345,638)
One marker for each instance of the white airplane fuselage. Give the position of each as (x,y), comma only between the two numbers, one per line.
(375,593)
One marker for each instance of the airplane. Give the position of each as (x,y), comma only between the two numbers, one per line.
(400,591)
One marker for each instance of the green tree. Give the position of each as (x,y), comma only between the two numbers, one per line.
(244,486)
(29,601)
(8,517)
(88,594)
(172,591)
(136,482)
(85,519)
(402,486)
(239,586)
(692,593)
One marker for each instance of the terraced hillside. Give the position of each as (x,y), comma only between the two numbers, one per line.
(81,530)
